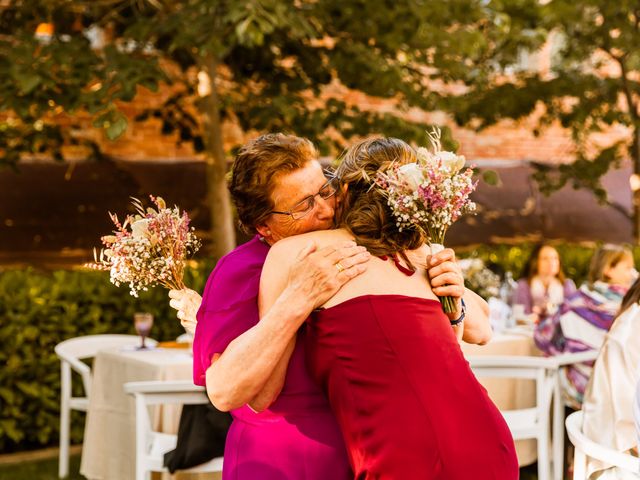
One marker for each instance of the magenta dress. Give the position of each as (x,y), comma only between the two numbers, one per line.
(297,438)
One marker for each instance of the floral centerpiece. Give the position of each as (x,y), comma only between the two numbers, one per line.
(430,194)
(479,278)
(149,248)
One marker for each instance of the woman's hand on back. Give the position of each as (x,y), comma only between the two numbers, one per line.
(318,274)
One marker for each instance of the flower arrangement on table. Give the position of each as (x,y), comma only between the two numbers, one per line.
(430,194)
(149,248)
(479,278)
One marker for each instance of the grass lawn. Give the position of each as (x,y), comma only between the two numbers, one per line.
(40,470)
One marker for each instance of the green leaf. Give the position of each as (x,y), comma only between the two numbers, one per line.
(29,389)
(30,332)
(117,127)
(491,177)
(7,395)
(28,83)
(9,428)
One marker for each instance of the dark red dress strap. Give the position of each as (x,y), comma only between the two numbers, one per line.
(407,271)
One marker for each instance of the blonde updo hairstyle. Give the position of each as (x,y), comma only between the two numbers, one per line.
(363,209)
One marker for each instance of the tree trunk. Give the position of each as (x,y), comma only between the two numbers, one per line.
(635,148)
(222,231)
(635,153)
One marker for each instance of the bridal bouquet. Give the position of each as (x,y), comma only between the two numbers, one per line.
(430,194)
(148,248)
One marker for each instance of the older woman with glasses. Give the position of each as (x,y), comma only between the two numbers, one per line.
(254,365)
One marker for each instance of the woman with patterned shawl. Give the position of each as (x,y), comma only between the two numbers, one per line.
(584,318)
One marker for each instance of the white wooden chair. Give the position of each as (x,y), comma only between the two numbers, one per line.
(563,362)
(71,352)
(585,447)
(152,445)
(532,422)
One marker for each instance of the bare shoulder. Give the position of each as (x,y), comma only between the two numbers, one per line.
(287,249)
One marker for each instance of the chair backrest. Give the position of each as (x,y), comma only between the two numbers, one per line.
(159,392)
(576,357)
(539,369)
(530,422)
(586,446)
(162,392)
(79,348)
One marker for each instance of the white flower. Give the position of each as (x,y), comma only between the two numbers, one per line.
(424,155)
(451,162)
(140,228)
(411,174)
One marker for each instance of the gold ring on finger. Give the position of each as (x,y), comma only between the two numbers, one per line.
(339,266)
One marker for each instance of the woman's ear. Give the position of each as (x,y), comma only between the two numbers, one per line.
(264,231)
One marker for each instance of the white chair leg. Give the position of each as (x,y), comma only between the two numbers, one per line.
(558,431)
(65,396)
(142,472)
(543,455)
(579,465)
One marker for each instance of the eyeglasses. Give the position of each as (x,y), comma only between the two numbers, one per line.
(307,204)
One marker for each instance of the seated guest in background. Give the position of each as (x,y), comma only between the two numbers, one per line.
(544,286)
(585,316)
(609,397)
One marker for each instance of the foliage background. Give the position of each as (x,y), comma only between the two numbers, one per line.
(40,309)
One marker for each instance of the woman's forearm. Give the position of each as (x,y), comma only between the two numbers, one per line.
(275,382)
(241,372)
(253,367)
(477,327)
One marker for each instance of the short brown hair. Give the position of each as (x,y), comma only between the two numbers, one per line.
(257,166)
(364,211)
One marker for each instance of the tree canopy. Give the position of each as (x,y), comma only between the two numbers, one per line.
(591,87)
(266,63)
(272,65)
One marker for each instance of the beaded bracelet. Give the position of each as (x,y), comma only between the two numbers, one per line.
(458,321)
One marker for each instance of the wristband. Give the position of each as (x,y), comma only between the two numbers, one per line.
(459,320)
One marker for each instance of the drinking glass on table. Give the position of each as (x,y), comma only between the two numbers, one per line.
(143,321)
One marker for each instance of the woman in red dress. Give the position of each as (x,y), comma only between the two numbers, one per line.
(406,401)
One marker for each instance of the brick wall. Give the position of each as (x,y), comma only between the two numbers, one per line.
(508,140)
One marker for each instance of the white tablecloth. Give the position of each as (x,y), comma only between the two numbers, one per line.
(510,394)
(109,438)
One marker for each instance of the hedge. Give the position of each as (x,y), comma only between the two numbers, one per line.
(39,310)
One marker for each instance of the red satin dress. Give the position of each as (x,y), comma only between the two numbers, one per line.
(406,400)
